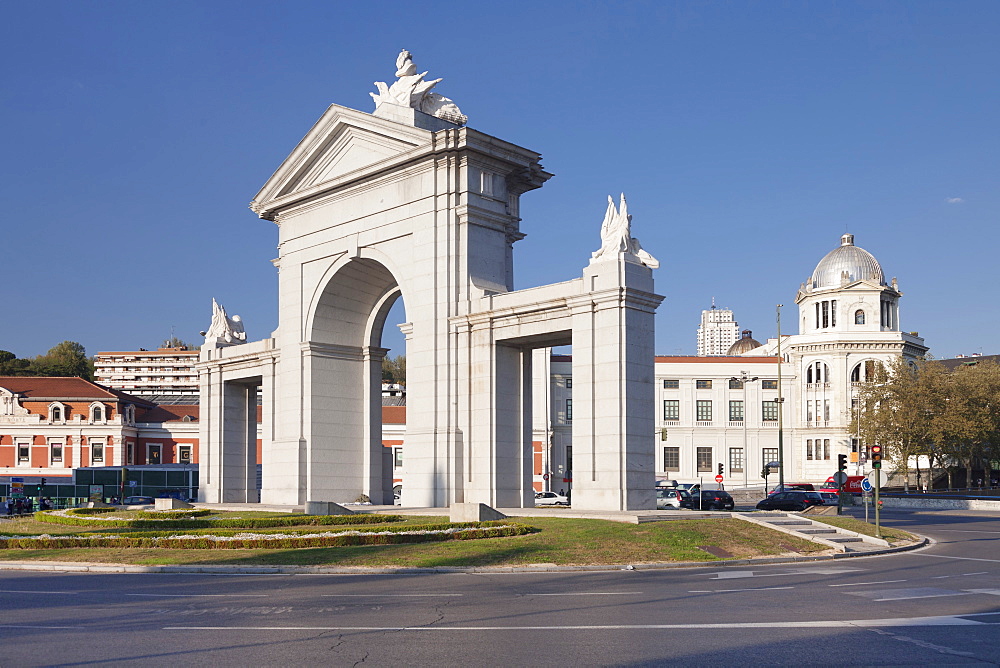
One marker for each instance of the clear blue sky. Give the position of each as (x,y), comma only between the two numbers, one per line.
(747,136)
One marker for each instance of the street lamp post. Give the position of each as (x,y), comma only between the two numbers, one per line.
(745,378)
(781,405)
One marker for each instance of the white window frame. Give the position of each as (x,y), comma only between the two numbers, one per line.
(61,443)
(184,447)
(94,407)
(149,449)
(95,443)
(62,412)
(17,452)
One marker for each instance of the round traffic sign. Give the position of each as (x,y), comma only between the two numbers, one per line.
(866,485)
(545,477)
(719,478)
(840,477)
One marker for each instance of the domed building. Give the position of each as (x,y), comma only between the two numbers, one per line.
(744,344)
(848,323)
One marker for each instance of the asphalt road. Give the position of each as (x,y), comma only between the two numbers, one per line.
(939,605)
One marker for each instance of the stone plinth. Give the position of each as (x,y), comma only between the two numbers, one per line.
(170,504)
(326,508)
(474,512)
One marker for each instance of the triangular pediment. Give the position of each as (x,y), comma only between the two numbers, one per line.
(343,142)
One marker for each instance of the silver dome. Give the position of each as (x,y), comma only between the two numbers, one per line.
(858,264)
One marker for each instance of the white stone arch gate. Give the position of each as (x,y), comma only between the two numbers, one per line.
(371,207)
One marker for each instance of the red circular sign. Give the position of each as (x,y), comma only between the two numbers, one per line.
(545,477)
(719,478)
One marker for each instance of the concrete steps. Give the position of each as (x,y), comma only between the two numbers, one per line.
(841,540)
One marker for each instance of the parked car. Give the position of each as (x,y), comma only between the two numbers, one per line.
(793,487)
(671,498)
(710,499)
(829,498)
(795,500)
(137,501)
(550,499)
(690,488)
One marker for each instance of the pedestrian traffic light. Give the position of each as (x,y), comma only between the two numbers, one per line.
(42,482)
(876,456)
(720,468)
(841,462)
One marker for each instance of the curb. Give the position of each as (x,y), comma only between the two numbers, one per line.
(70,567)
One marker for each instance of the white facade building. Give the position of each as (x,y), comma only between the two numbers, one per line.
(146,373)
(717,332)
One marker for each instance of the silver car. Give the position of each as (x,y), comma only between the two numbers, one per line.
(550,499)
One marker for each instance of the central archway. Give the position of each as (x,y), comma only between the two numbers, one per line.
(343,371)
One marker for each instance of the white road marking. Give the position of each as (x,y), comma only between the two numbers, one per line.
(951,620)
(944,556)
(732,575)
(591,593)
(922,643)
(202,595)
(723,591)
(907,594)
(387,595)
(33,591)
(35,626)
(858,584)
(991,592)
(966,531)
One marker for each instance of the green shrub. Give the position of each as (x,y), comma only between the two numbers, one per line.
(232,523)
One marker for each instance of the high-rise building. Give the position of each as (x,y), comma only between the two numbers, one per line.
(717,331)
(149,373)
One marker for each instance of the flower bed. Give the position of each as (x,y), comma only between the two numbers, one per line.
(386,536)
(62,517)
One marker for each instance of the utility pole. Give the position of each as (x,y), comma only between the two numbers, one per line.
(781,406)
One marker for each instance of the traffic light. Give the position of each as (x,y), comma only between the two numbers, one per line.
(841,462)
(720,468)
(876,456)
(42,482)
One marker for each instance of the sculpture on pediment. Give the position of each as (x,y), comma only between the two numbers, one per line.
(10,403)
(224,328)
(410,90)
(616,236)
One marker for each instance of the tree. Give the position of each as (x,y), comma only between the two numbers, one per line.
(394,369)
(68,358)
(174,342)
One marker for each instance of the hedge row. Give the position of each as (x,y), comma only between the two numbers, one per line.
(232,523)
(143,514)
(393,538)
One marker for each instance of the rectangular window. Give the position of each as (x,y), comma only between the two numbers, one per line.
(569,410)
(569,461)
(23,451)
(736,411)
(769,411)
(809,411)
(826,448)
(833,313)
(826,314)
(703,384)
(736,460)
(671,410)
(569,383)
(809,448)
(769,455)
(184,454)
(671,384)
(769,384)
(96,451)
(826,410)
(153,454)
(397,458)
(704,459)
(704,410)
(671,459)
(735,384)
(56,450)
(130,453)
(817,315)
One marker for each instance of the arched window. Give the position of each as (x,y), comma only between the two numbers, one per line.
(97,412)
(859,317)
(863,371)
(57,412)
(817,372)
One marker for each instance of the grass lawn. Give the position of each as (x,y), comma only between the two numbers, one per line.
(561,541)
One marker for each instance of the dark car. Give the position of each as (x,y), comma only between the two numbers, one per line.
(137,501)
(829,498)
(709,499)
(794,500)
